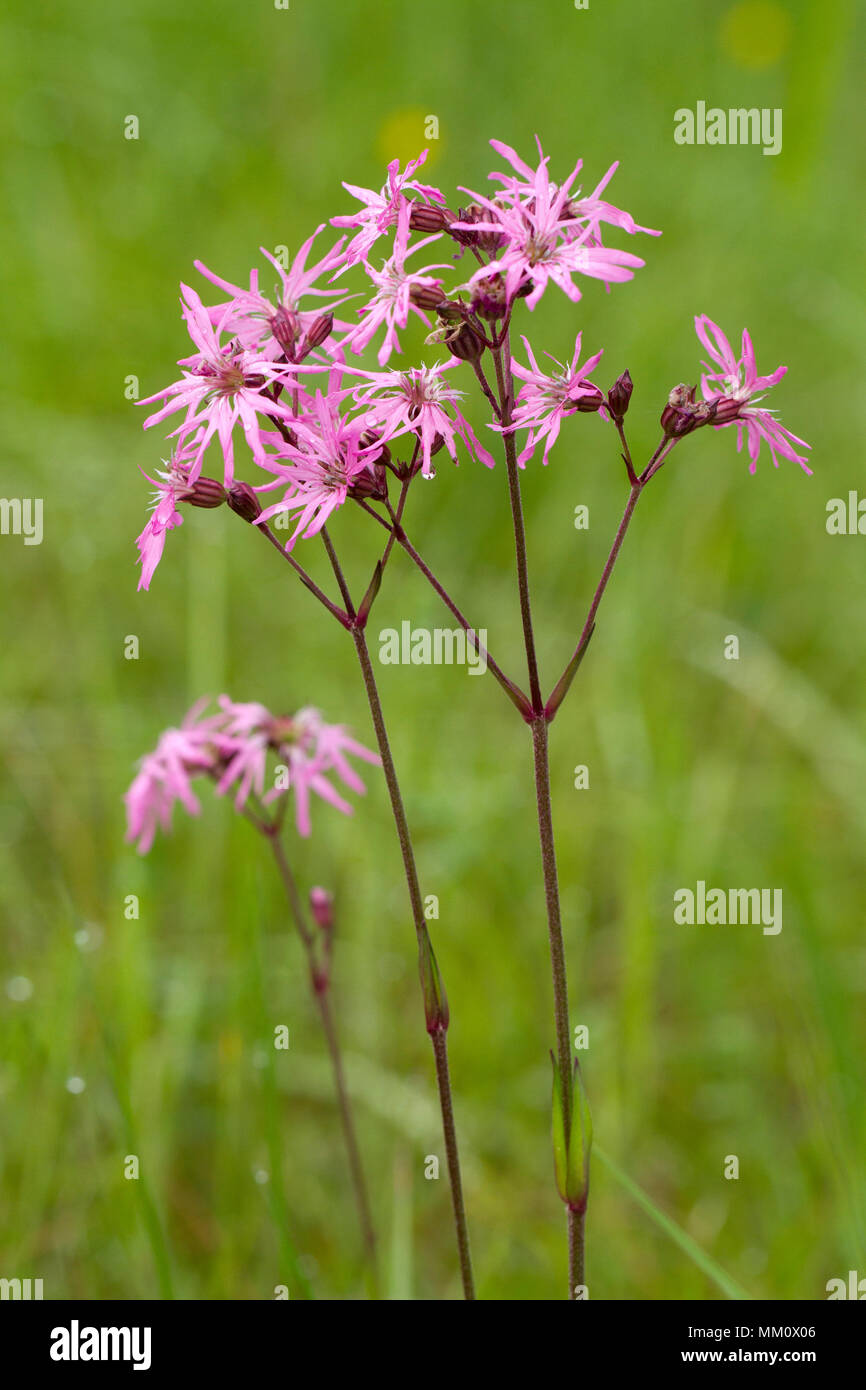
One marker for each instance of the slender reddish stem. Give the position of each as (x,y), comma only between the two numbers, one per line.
(320,986)
(438,1037)
(544,806)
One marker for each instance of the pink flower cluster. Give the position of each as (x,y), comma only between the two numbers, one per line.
(547,231)
(318,444)
(234,748)
(735,382)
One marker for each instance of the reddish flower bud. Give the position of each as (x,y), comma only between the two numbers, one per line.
(427,296)
(284,326)
(205,492)
(318,332)
(322,908)
(726,409)
(677,423)
(243,500)
(489,300)
(485,241)
(682,395)
(451,311)
(593,400)
(425,218)
(619,395)
(463,342)
(370,438)
(372,483)
(680,416)
(435,999)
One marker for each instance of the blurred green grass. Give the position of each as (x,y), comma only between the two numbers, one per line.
(703,1042)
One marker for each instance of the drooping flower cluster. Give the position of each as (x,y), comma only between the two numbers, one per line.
(235,748)
(320,428)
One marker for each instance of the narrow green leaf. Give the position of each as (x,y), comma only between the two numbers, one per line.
(560,1148)
(729,1287)
(579,1144)
(368,599)
(563,684)
(435,998)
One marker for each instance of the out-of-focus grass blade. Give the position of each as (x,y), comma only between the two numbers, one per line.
(729,1287)
(401,1252)
(795,705)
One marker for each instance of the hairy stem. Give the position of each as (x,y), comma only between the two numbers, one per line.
(637,487)
(576,1249)
(438,1034)
(505,383)
(440,1051)
(438,1037)
(544,808)
(320,989)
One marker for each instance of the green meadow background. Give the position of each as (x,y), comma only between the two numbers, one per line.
(153,1036)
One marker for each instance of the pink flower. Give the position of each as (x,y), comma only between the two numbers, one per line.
(172,487)
(233,747)
(330,743)
(735,384)
(312,749)
(381,210)
(545,400)
(259,325)
(420,402)
(545,240)
(323,465)
(537,254)
(393,300)
(580,212)
(223,385)
(164,777)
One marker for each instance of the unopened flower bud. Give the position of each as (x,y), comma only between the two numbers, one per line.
(463,342)
(372,483)
(427,296)
(436,1009)
(682,396)
(451,311)
(322,908)
(619,395)
(243,500)
(425,218)
(680,416)
(572,1149)
(593,399)
(318,332)
(368,440)
(727,408)
(677,423)
(205,492)
(284,326)
(485,241)
(489,301)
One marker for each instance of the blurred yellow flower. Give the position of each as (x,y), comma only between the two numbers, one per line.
(405,133)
